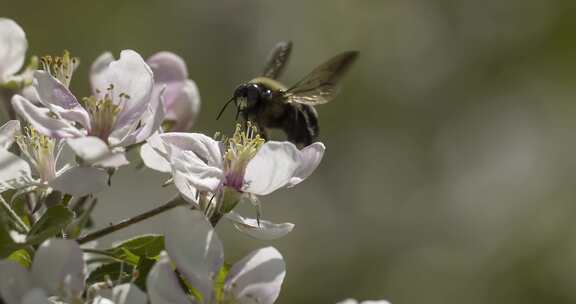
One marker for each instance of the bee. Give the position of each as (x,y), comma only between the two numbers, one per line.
(271,105)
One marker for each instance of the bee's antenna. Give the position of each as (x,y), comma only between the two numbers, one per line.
(224,108)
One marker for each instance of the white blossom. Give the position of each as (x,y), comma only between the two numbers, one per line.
(38,166)
(193,246)
(207,171)
(118,114)
(58,271)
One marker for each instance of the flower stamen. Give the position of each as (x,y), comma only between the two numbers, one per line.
(104,111)
(62,68)
(40,150)
(241,148)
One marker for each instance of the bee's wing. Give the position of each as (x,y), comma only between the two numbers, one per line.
(277,60)
(321,85)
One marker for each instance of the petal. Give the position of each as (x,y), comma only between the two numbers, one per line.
(184,186)
(194,172)
(163,286)
(310,158)
(257,278)
(263,230)
(128,294)
(272,167)
(79,181)
(168,67)
(41,120)
(99,65)
(129,75)
(58,263)
(8,132)
(90,148)
(153,159)
(15,173)
(36,296)
(13,47)
(15,281)
(194,247)
(184,108)
(54,95)
(101,300)
(95,152)
(149,124)
(207,149)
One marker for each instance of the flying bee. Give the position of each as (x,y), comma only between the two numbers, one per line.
(271,105)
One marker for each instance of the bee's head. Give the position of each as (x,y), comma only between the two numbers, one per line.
(247,96)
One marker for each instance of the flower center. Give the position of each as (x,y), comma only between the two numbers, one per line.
(240,149)
(62,68)
(40,151)
(104,111)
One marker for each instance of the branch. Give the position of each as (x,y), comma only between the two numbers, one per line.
(175,202)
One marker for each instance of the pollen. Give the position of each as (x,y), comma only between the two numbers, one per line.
(242,146)
(40,150)
(61,67)
(104,111)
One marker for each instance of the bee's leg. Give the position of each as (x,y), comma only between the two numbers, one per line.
(262,131)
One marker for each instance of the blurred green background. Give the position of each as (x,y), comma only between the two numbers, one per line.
(450,170)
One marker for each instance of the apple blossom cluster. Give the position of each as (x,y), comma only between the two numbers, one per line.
(59,149)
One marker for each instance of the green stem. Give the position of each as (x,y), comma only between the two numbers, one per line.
(13,215)
(175,202)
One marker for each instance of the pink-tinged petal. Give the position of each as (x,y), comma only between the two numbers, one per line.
(8,132)
(195,172)
(206,148)
(58,263)
(42,121)
(55,96)
(163,286)
(35,296)
(183,109)
(13,46)
(262,230)
(79,181)
(15,173)
(310,158)
(128,294)
(271,168)
(168,67)
(15,282)
(257,278)
(153,160)
(129,75)
(194,247)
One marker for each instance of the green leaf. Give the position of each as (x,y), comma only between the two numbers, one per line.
(143,268)
(117,272)
(22,257)
(7,245)
(51,223)
(77,225)
(145,246)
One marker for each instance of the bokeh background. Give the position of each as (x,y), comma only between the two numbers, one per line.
(450,174)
